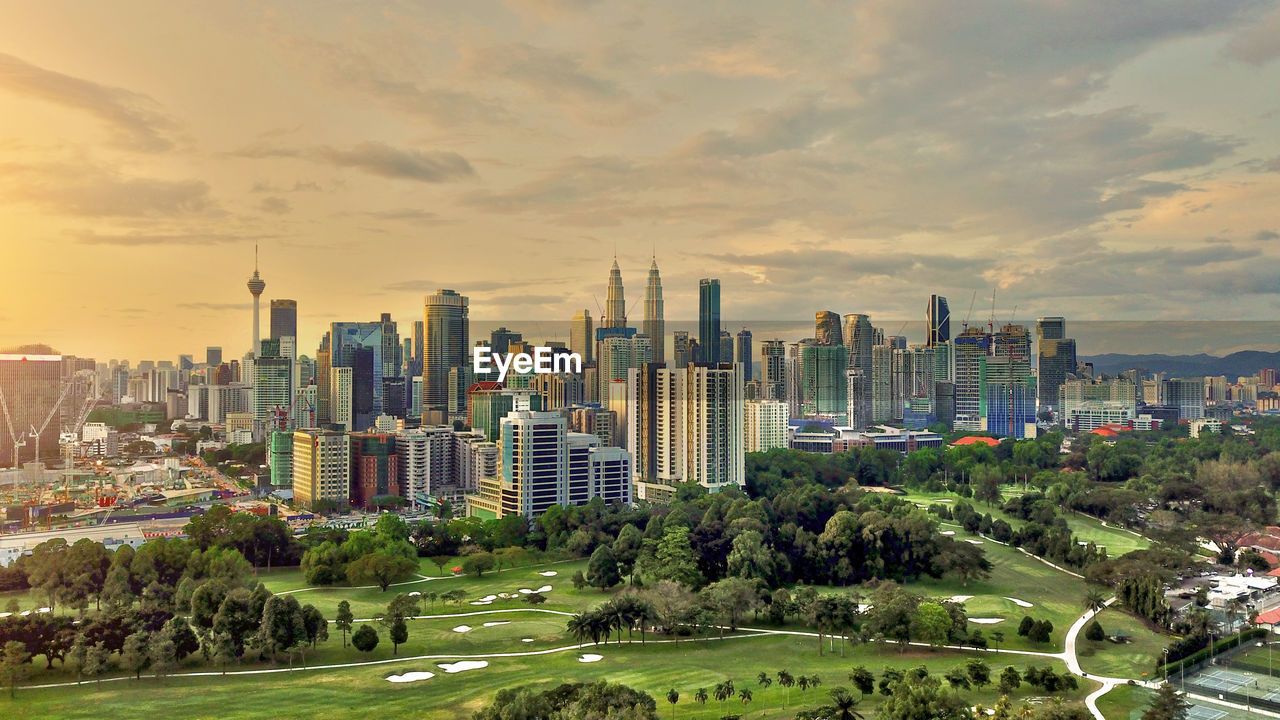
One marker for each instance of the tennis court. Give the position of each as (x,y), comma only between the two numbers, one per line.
(1219,679)
(1200,712)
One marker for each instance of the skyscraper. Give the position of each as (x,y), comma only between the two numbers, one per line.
(321,467)
(284,319)
(615,304)
(256,285)
(654,326)
(213,356)
(860,338)
(742,353)
(500,340)
(709,319)
(682,351)
(1055,359)
(31,386)
(773,370)
(273,383)
(726,347)
(582,336)
(445,345)
(938,316)
(827,328)
(823,378)
(971,348)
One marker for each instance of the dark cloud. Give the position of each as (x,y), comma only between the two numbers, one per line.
(135,119)
(375,158)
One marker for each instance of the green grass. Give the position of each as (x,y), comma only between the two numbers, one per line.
(1126,660)
(351,692)
(1124,702)
(1118,541)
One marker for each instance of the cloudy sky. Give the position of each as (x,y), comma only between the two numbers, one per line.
(1099,160)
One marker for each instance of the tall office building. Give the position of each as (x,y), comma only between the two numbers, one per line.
(212,356)
(687,425)
(617,354)
(582,336)
(256,285)
(708,320)
(284,318)
(615,304)
(826,328)
(341,381)
(274,385)
(654,326)
(682,350)
(726,347)
(742,353)
(971,349)
(882,384)
(445,345)
(1186,394)
(823,379)
(375,470)
(938,321)
(1055,359)
(1009,391)
(31,385)
(543,465)
(280,458)
(773,370)
(500,340)
(860,337)
(764,425)
(321,467)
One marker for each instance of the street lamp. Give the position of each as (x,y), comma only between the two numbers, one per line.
(1166,664)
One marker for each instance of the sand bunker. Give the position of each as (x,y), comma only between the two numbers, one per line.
(488,598)
(986,621)
(590,658)
(947,532)
(1019,603)
(463,666)
(971,541)
(526,639)
(526,591)
(462,629)
(959,598)
(544,588)
(496,624)
(548,573)
(410,677)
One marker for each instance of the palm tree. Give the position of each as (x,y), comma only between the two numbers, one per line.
(643,614)
(764,680)
(786,680)
(745,694)
(1094,600)
(673,697)
(580,627)
(845,704)
(803,682)
(723,691)
(814,681)
(701,696)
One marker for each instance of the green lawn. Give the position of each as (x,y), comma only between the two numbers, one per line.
(351,692)
(1124,702)
(1127,660)
(1118,541)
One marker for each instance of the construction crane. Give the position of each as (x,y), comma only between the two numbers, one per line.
(18,442)
(47,418)
(969,314)
(991,320)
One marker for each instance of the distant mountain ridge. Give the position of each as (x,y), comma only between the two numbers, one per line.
(1237,364)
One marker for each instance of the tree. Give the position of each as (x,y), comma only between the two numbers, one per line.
(135,656)
(225,650)
(701,696)
(1166,704)
(957,678)
(381,568)
(344,620)
(535,598)
(365,639)
(1093,631)
(722,692)
(674,558)
(1010,680)
(317,628)
(399,635)
(745,695)
(844,705)
(932,623)
(96,662)
(786,680)
(440,561)
(478,563)
(1024,627)
(161,652)
(979,672)
(997,637)
(673,697)
(15,664)
(1040,631)
(282,628)
(1094,600)
(862,679)
(626,550)
(922,699)
(731,598)
(602,568)
(751,559)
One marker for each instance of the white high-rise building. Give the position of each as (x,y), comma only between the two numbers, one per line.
(340,389)
(764,425)
(616,356)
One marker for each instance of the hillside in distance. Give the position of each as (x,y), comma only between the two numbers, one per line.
(1237,364)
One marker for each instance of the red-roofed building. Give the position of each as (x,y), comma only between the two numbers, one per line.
(970,440)
(1107,430)
(1270,617)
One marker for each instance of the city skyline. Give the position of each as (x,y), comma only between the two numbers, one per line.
(388,152)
